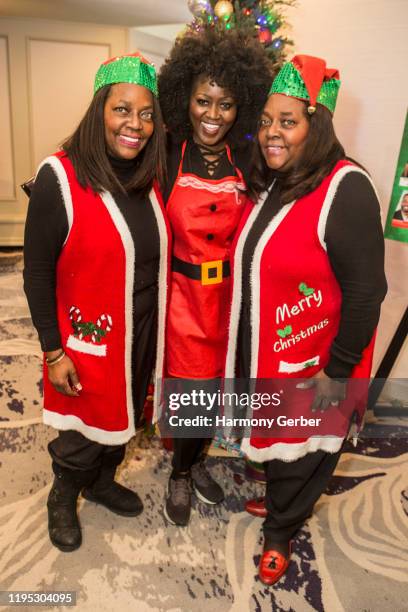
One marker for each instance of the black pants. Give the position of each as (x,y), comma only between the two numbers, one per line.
(187,451)
(72,451)
(292,489)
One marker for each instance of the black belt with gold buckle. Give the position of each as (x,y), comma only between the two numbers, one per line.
(209,272)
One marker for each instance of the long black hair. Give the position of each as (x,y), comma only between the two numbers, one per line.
(87,150)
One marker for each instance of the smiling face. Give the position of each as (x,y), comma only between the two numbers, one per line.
(212,112)
(283,131)
(128,117)
(404,204)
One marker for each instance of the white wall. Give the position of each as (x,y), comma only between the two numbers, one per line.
(154,47)
(59,103)
(169,32)
(6,148)
(367,40)
(46,70)
(46,74)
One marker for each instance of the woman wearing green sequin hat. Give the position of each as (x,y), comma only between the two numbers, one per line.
(307,78)
(96,245)
(308,295)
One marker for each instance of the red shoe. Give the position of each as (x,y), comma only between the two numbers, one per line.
(273,565)
(256,507)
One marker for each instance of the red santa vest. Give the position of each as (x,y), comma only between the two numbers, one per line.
(295,307)
(94,291)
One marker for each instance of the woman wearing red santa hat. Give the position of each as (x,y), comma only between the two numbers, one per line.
(307,288)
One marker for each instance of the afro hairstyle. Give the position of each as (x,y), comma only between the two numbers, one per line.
(234,61)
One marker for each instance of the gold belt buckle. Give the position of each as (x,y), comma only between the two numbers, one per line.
(216,265)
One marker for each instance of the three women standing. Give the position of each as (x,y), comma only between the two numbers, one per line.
(96,253)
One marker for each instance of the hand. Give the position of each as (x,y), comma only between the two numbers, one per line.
(63,375)
(329,392)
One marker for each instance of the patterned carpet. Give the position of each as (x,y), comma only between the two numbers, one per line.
(352,556)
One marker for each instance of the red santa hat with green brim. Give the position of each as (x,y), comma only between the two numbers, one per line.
(307,78)
(130,68)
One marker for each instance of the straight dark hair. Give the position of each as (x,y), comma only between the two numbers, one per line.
(321,152)
(87,150)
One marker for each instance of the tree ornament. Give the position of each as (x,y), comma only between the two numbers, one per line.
(224,9)
(265,36)
(199,7)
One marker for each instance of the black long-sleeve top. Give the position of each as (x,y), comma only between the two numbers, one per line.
(355,247)
(45,233)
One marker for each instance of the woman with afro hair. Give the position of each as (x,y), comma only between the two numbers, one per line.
(212,89)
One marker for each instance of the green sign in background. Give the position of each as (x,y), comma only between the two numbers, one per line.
(398,233)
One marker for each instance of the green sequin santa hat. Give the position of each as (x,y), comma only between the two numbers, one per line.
(130,68)
(307,78)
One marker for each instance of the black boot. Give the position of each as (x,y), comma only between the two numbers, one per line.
(63,525)
(112,495)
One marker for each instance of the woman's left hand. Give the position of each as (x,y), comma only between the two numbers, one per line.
(328,392)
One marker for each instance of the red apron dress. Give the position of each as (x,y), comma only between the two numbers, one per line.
(204,215)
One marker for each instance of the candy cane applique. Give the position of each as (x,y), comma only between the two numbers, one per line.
(87,336)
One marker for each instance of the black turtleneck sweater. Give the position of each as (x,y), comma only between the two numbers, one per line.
(46,230)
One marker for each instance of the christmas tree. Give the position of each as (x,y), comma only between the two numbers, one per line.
(263,19)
